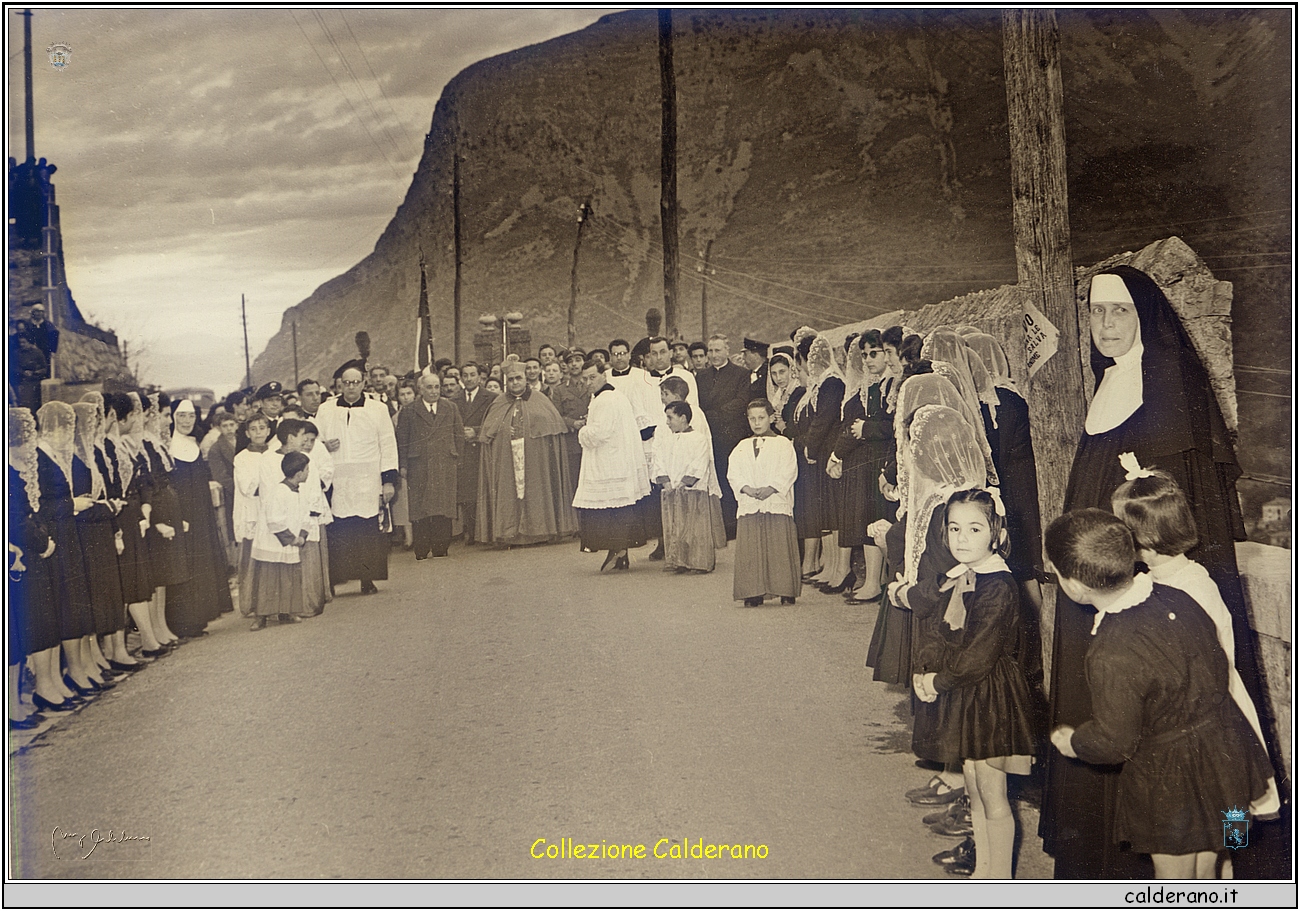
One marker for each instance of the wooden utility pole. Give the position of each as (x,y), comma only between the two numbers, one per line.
(294,325)
(704,292)
(455,216)
(583,215)
(248,366)
(1044,266)
(668,170)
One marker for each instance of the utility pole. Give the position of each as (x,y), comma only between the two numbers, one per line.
(584,213)
(455,216)
(248,366)
(294,326)
(1044,265)
(668,170)
(704,292)
(27,76)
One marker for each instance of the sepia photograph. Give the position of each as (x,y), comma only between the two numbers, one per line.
(657,455)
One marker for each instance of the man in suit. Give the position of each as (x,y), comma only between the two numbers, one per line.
(724,393)
(756,364)
(473,408)
(430,445)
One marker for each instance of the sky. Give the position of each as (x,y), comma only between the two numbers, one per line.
(211,153)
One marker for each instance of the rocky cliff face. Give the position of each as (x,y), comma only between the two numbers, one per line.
(836,164)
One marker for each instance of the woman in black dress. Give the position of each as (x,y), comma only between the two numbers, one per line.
(865,446)
(205,594)
(807,486)
(820,409)
(99,543)
(72,588)
(107,458)
(138,570)
(1153,398)
(167,527)
(33,613)
(1013,455)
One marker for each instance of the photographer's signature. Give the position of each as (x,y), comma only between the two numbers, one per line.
(87,843)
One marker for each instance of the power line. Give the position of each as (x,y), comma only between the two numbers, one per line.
(400,125)
(1272,395)
(1262,369)
(835,314)
(378,147)
(355,81)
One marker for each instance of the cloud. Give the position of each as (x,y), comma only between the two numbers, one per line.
(205,153)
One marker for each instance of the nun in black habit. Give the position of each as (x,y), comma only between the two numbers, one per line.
(1153,398)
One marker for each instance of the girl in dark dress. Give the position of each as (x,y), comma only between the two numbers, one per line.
(72,587)
(969,670)
(205,593)
(100,541)
(1153,398)
(167,526)
(33,613)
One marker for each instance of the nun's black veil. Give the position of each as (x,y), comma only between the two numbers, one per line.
(1179,428)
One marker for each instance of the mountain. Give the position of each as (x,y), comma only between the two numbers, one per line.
(835,164)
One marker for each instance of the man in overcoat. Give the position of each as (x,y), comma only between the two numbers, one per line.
(430,445)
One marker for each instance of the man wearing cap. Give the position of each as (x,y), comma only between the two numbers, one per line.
(756,363)
(525,491)
(359,434)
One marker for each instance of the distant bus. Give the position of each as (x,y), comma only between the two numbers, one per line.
(202,398)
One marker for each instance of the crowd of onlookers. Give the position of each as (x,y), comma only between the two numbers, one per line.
(890,468)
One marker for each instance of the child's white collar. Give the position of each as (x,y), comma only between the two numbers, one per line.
(1138,592)
(990,564)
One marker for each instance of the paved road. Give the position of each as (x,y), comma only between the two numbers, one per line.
(478,704)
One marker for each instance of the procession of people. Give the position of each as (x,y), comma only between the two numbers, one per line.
(889,468)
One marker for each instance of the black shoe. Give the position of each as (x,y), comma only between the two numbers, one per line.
(82,691)
(754,602)
(611,561)
(658,552)
(963,851)
(624,562)
(67,705)
(369,588)
(101,687)
(155,653)
(125,668)
(959,807)
(418,558)
(26,724)
(954,825)
(258,625)
(786,599)
(846,585)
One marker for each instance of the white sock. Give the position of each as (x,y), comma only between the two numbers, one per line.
(1001,834)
